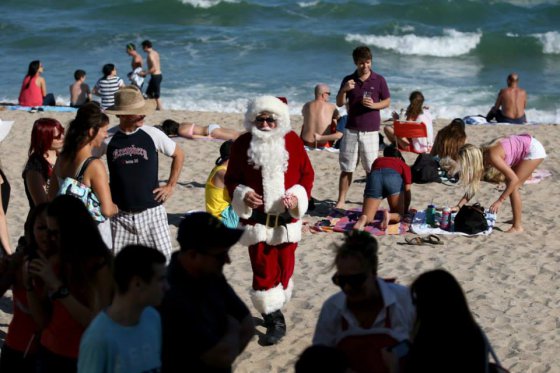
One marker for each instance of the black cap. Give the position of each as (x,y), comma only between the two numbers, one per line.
(202,231)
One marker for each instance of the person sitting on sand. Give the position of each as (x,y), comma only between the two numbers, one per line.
(34,87)
(79,90)
(416,112)
(515,156)
(319,118)
(193,131)
(390,178)
(449,140)
(512,101)
(218,200)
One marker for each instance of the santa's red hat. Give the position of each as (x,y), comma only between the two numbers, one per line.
(272,105)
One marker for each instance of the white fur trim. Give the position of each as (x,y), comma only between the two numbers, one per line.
(271,105)
(303,201)
(289,290)
(272,236)
(268,301)
(239,206)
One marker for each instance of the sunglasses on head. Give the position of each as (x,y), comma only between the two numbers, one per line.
(267,120)
(354,281)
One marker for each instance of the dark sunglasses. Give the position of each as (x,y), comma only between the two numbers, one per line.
(354,281)
(267,120)
(59,136)
(327,93)
(221,256)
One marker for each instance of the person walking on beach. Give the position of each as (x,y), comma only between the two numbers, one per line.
(366,93)
(206,326)
(132,157)
(126,336)
(319,117)
(136,65)
(269,178)
(154,69)
(510,104)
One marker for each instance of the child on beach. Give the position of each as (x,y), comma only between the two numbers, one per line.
(218,201)
(390,178)
(515,156)
(79,90)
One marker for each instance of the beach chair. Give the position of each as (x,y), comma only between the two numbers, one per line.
(409,130)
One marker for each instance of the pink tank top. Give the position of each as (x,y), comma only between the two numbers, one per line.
(516,148)
(32,95)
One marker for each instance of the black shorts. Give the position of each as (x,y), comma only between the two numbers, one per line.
(154,86)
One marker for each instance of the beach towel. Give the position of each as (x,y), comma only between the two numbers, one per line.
(419,225)
(474,120)
(327,149)
(537,176)
(60,109)
(343,220)
(135,78)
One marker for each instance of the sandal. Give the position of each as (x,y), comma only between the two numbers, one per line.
(432,239)
(418,241)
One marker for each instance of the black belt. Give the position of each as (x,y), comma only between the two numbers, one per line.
(271,220)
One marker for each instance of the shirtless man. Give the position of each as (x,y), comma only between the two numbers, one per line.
(512,101)
(319,118)
(136,65)
(79,90)
(154,69)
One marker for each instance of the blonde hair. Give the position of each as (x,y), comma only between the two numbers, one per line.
(491,173)
(471,163)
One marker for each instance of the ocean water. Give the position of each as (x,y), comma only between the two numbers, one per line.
(216,54)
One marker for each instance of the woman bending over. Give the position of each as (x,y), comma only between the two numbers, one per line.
(515,156)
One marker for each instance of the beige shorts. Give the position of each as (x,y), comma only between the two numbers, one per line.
(354,144)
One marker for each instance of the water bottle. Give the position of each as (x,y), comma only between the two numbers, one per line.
(445,217)
(430,214)
(452,222)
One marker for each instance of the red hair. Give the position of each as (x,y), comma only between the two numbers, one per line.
(42,137)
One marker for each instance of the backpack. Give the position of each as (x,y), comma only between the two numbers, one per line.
(425,169)
(471,219)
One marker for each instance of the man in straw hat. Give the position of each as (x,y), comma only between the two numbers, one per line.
(132,158)
(270,177)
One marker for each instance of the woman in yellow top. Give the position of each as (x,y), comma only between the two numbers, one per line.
(217,197)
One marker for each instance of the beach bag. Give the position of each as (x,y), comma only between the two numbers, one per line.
(425,169)
(471,219)
(75,188)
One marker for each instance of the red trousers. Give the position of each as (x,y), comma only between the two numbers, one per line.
(272,265)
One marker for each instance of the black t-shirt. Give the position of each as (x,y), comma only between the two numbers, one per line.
(194,319)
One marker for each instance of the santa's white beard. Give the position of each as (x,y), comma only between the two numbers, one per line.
(267,152)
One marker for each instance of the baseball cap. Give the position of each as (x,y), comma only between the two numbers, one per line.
(202,231)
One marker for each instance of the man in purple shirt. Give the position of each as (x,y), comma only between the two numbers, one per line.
(366,93)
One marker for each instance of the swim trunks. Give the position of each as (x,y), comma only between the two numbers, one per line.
(153,89)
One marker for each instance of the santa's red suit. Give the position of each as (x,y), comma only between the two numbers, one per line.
(272,231)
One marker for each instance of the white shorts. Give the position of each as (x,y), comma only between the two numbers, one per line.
(536,150)
(354,144)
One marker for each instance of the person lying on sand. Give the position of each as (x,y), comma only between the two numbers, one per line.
(193,131)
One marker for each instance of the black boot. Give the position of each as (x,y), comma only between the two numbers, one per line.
(275,327)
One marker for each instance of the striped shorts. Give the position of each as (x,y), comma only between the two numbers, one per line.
(149,227)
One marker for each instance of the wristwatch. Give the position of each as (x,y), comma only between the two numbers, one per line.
(60,293)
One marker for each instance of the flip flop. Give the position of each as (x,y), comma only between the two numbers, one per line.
(418,241)
(432,239)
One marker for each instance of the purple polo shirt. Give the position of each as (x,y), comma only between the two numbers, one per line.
(361,118)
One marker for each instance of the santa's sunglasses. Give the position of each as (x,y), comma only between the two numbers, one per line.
(354,281)
(267,120)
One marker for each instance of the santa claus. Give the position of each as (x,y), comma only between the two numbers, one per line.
(270,178)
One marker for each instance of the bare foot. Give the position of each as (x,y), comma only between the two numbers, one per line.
(361,223)
(515,229)
(385,221)
(339,205)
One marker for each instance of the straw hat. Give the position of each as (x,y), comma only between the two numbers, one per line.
(129,101)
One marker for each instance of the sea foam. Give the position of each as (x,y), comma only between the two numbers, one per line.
(550,42)
(205,4)
(452,43)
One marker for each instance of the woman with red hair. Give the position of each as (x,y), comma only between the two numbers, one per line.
(47,138)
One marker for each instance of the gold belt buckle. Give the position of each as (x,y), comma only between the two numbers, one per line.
(275,220)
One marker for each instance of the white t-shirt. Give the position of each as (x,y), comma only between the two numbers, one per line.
(423,144)
(329,330)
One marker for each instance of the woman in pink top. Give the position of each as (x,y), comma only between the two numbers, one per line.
(515,156)
(34,88)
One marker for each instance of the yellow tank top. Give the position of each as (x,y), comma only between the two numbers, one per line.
(217,199)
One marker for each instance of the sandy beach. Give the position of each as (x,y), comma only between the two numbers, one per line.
(511,281)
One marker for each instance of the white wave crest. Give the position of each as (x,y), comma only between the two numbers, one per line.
(550,41)
(205,4)
(307,4)
(452,43)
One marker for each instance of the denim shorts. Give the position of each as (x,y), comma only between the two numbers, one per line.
(382,183)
